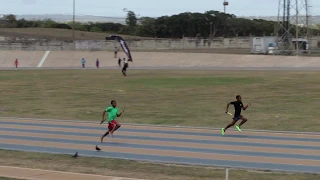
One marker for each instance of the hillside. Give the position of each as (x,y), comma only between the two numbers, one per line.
(312,19)
(58,34)
(86,18)
(79,18)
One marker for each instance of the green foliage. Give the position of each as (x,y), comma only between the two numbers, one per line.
(22,23)
(132,23)
(8,21)
(95,29)
(48,23)
(147,27)
(187,24)
(63,26)
(131,19)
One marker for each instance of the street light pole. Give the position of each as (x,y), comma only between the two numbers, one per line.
(297,28)
(73,22)
(212,25)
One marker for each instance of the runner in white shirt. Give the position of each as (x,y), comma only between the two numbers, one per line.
(125,66)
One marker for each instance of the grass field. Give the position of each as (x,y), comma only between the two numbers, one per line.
(280,100)
(135,169)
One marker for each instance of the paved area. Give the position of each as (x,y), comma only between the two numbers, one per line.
(162,60)
(284,151)
(38,174)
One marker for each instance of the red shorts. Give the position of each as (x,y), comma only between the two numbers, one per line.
(112,124)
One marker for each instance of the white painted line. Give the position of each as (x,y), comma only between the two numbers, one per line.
(46,54)
(227,174)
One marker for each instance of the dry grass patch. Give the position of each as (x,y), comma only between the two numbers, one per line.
(135,169)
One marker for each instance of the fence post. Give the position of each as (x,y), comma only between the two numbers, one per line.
(227,174)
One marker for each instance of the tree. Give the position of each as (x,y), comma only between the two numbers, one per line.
(108,27)
(22,23)
(207,24)
(48,23)
(147,27)
(131,19)
(131,22)
(78,26)
(95,29)
(63,26)
(9,21)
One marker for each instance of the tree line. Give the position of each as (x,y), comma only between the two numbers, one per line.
(10,21)
(208,24)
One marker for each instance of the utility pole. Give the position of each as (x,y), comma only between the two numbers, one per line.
(292,15)
(297,27)
(73,23)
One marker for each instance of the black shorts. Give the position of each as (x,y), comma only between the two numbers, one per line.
(236,118)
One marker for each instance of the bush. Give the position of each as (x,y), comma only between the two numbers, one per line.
(63,26)
(95,29)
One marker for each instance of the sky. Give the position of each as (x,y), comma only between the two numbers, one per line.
(152,8)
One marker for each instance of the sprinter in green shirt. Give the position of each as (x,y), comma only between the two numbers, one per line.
(113,113)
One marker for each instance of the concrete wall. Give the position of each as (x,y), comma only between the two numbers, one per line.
(60,59)
(38,45)
(156,44)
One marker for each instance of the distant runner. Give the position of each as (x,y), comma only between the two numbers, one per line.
(83,62)
(119,62)
(16,62)
(97,63)
(125,66)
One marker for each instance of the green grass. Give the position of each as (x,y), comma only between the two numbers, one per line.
(281,100)
(135,169)
(5,178)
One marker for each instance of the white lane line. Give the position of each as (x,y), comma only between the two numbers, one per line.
(46,54)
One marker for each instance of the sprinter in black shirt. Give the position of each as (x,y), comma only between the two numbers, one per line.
(238,106)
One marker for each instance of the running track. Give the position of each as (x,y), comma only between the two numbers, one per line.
(284,151)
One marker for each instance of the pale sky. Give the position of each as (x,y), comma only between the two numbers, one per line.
(153,8)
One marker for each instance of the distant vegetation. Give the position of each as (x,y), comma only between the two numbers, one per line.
(208,24)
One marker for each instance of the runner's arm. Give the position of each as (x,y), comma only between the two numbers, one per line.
(103,119)
(118,115)
(244,108)
(227,109)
